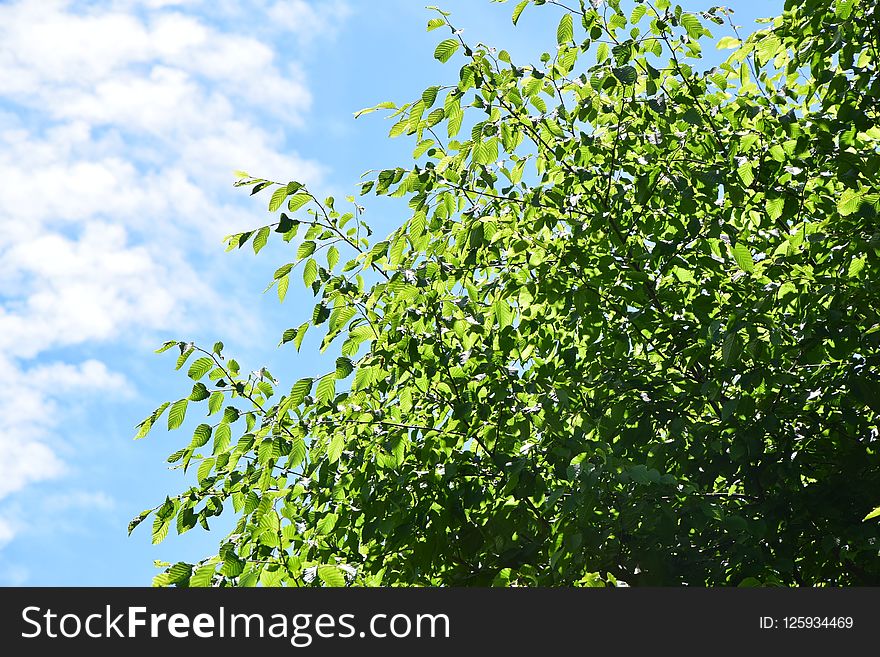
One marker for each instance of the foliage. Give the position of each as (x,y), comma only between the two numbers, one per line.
(629,331)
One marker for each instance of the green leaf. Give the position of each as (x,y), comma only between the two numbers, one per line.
(261,238)
(362,378)
(200,368)
(177,414)
(774,207)
(199,393)
(445,49)
(750,582)
(434,23)
(300,391)
(730,348)
(565,30)
(683,275)
(692,24)
(728,42)
(300,334)
(849,202)
(310,271)
(327,523)
(332,257)
(344,367)
(637,13)
(277,199)
(202,435)
(417,226)
(626,74)
(178,455)
(232,565)
(166,346)
(283,285)
(486,152)
(184,356)
(867,390)
(768,47)
(746,174)
(856,266)
(326,390)
(204,469)
(305,250)
(843,9)
(503,313)
(297,454)
(368,110)
(282,271)
(203,576)
(429,95)
(331,575)
(145,426)
(455,116)
(137,520)
(874,514)
(222,438)
(297,201)
(743,257)
(160,528)
(427,144)
(395,252)
(518,10)
(337,443)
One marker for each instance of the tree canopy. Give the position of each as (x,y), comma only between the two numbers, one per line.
(628,332)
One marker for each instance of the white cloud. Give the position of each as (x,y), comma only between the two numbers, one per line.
(120,124)
(158,4)
(30,412)
(302,18)
(66,378)
(92,65)
(25,461)
(55,512)
(44,43)
(79,499)
(82,289)
(7,531)
(14,574)
(143,117)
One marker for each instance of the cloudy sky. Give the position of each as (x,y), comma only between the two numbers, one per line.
(121,122)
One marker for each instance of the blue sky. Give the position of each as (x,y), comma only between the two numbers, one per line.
(121,122)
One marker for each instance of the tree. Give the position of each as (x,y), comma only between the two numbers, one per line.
(629,332)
